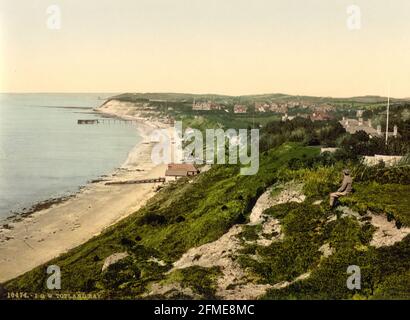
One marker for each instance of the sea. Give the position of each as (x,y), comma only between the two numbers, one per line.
(45,154)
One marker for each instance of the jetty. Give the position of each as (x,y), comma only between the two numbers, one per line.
(154,180)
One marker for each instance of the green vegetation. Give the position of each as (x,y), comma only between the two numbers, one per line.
(296,254)
(226,120)
(306,229)
(360,144)
(390,199)
(380,268)
(201,281)
(300,130)
(180,216)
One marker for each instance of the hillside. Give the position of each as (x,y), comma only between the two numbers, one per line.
(274,97)
(270,236)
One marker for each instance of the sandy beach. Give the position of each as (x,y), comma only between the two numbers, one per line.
(48,233)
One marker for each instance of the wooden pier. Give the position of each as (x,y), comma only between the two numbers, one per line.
(155,180)
(106,121)
(87,122)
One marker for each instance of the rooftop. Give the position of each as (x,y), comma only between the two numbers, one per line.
(181,170)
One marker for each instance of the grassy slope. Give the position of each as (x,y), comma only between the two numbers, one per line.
(381,269)
(385,271)
(179,217)
(392,199)
(184,215)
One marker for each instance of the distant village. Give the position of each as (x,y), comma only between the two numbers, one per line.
(320,110)
(312,111)
(350,118)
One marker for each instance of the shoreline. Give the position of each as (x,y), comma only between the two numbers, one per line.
(20,214)
(53,227)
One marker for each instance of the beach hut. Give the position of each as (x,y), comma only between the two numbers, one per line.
(181,170)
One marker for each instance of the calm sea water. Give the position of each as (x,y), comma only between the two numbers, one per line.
(44,153)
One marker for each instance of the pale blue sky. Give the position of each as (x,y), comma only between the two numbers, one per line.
(229,46)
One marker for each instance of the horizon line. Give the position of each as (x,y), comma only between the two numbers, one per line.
(197,93)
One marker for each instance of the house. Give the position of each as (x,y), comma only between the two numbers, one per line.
(181,170)
(320,116)
(294,104)
(239,109)
(274,107)
(324,108)
(279,108)
(205,106)
(355,125)
(261,107)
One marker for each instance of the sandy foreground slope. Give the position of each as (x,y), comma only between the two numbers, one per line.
(48,233)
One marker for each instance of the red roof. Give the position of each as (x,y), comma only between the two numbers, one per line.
(181,170)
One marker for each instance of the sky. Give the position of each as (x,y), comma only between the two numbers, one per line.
(236,47)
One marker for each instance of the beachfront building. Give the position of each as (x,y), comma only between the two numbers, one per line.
(177,170)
